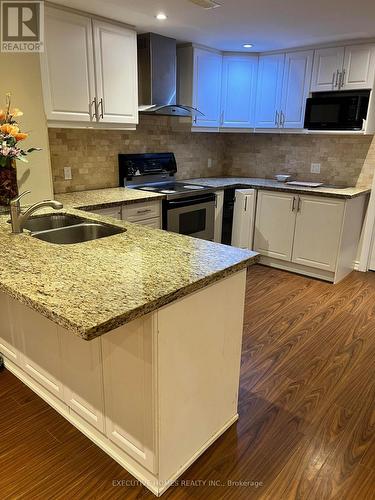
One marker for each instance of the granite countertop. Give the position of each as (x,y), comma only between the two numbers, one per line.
(105,198)
(273,185)
(94,287)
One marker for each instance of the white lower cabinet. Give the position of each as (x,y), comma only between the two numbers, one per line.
(274,226)
(83,378)
(145,213)
(40,347)
(9,345)
(318,231)
(128,389)
(243,218)
(313,235)
(155,393)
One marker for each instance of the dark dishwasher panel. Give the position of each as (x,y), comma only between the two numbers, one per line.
(228,209)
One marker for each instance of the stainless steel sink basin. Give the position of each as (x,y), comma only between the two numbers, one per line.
(51,221)
(78,233)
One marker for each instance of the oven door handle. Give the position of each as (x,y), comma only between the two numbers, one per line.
(191,201)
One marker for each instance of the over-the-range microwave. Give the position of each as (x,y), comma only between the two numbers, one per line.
(343,110)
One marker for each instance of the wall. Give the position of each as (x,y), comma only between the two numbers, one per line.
(92,154)
(345,160)
(20,75)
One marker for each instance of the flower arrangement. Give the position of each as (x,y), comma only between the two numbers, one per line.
(10,136)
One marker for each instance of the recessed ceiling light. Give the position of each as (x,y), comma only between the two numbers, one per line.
(161,16)
(247,45)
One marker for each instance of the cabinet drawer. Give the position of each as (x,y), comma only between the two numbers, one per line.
(114,212)
(139,211)
(153,223)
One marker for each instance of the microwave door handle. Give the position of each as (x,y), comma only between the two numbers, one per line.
(337,78)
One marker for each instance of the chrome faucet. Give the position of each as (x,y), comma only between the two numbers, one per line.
(18,218)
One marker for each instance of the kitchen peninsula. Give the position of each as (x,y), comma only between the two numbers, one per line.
(135,339)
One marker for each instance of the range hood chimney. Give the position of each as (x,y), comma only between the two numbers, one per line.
(157,77)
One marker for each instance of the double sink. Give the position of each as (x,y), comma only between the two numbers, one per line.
(67,229)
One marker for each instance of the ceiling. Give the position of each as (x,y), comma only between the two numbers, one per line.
(267,24)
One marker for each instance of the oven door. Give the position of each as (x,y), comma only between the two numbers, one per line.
(193,216)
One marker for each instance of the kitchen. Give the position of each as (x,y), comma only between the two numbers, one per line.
(243,117)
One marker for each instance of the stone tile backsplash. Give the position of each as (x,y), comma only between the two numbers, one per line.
(344,159)
(92,154)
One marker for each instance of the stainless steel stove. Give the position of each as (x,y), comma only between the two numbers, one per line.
(187,209)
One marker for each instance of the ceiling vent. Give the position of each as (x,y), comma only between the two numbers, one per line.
(206,4)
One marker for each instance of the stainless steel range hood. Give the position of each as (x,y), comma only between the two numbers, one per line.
(157,77)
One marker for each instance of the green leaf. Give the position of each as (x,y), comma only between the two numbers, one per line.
(30,150)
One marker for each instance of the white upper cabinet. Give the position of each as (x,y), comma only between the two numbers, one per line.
(199,74)
(89,70)
(269,89)
(296,86)
(207,87)
(115,51)
(344,68)
(328,64)
(359,67)
(238,91)
(68,67)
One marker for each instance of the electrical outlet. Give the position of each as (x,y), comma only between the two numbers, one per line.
(209,163)
(68,173)
(315,168)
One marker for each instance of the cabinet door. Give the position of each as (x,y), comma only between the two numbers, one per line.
(219,205)
(8,341)
(243,219)
(129,382)
(238,91)
(67,67)
(116,73)
(82,377)
(318,231)
(359,67)
(207,87)
(41,357)
(328,64)
(274,226)
(270,81)
(296,87)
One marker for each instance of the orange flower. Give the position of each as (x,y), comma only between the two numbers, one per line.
(2,114)
(15,112)
(9,129)
(20,136)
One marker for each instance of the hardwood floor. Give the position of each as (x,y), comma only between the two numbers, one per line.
(307,410)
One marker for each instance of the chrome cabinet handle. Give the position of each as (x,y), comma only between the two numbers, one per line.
(222,118)
(333,79)
(245,203)
(337,78)
(94,104)
(299,204)
(294,203)
(282,119)
(101,108)
(342,79)
(277,119)
(144,211)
